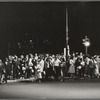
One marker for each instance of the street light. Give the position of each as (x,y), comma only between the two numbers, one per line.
(86,42)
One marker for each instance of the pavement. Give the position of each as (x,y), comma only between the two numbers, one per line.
(67,90)
(20,80)
(70,89)
(66,79)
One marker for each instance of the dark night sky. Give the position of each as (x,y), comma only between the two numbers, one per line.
(47,21)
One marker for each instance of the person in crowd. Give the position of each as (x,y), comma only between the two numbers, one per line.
(27,66)
(71,70)
(34,61)
(57,68)
(81,55)
(81,68)
(96,67)
(63,68)
(30,64)
(87,70)
(22,66)
(47,68)
(3,76)
(42,63)
(52,65)
(92,68)
(38,72)
(7,68)
(77,63)
(16,67)
(10,67)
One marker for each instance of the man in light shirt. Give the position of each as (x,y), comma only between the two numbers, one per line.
(57,68)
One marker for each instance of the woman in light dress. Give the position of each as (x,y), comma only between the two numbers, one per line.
(71,70)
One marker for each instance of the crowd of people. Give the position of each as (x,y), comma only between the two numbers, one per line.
(46,66)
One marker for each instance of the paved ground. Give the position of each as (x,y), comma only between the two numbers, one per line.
(20,80)
(70,89)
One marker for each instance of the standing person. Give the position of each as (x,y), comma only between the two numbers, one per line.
(42,66)
(92,68)
(47,68)
(81,68)
(22,66)
(2,72)
(63,68)
(87,60)
(10,67)
(57,68)
(30,64)
(52,70)
(98,64)
(72,68)
(96,68)
(34,64)
(7,68)
(77,63)
(38,72)
(16,67)
(27,66)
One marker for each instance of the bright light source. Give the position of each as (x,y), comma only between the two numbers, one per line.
(87,43)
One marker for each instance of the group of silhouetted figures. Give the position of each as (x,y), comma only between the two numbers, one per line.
(49,67)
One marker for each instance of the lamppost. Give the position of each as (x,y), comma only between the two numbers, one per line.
(86,42)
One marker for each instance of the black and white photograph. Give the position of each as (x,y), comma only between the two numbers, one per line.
(50,50)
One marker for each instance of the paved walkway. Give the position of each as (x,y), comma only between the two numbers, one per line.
(51,91)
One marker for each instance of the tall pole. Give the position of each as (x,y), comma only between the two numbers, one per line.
(86,42)
(67,46)
(86,50)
